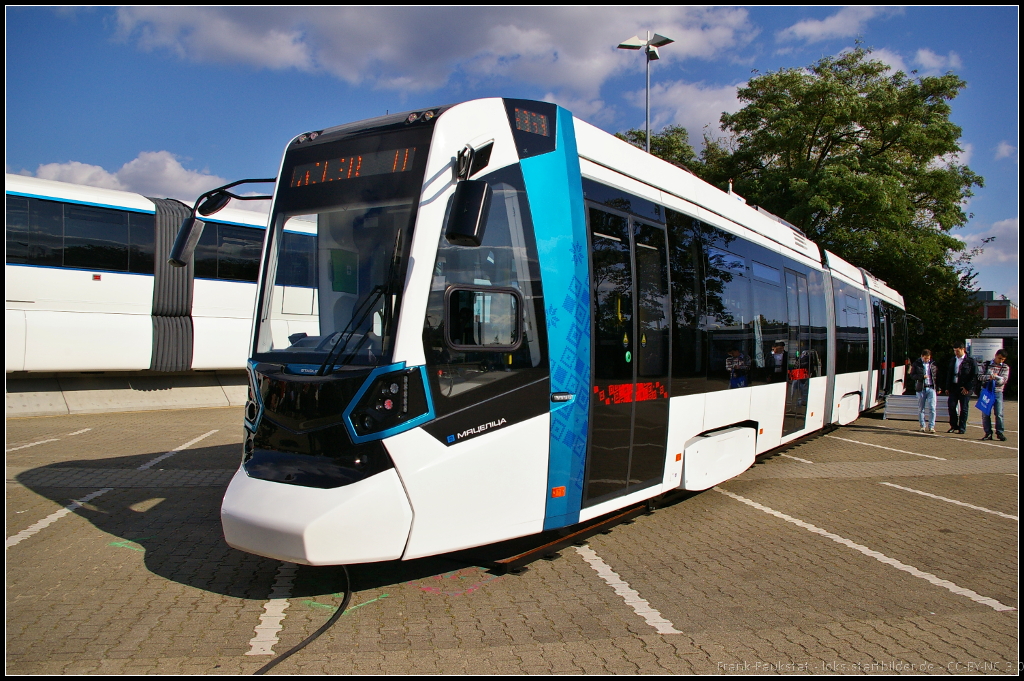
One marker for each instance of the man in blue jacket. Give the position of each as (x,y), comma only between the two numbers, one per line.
(961,374)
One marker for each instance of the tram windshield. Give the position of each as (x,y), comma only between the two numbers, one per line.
(341,229)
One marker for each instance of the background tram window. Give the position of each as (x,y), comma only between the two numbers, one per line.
(228,252)
(141,249)
(17,230)
(506,258)
(687,282)
(296,265)
(95,238)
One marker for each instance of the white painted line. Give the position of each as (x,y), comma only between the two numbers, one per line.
(952,501)
(632,598)
(971,425)
(273,612)
(882,558)
(901,451)
(149,464)
(796,458)
(52,439)
(53,517)
(975,442)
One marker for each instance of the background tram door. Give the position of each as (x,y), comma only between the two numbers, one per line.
(630,377)
(800,359)
(884,365)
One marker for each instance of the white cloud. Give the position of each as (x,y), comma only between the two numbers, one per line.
(695,106)
(1001,251)
(566,49)
(152,173)
(846,23)
(1006,150)
(893,59)
(932,64)
(960,158)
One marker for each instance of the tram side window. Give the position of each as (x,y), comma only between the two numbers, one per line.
(687,284)
(819,323)
(57,234)
(228,252)
(507,259)
(95,238)
(851,328)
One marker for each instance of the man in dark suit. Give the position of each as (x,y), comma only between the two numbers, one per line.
(961,374)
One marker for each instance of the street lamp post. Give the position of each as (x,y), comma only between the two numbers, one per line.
(650,46)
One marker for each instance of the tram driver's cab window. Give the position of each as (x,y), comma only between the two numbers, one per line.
(483,331)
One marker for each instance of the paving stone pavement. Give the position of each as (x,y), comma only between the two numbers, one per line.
(139,580)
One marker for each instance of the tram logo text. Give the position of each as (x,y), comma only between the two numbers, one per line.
(471,432)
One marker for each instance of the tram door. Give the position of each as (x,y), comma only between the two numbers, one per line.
(629,393)
(800,360)
(883,351)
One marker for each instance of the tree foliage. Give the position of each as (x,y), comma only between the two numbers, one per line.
(864,161)
(671,144)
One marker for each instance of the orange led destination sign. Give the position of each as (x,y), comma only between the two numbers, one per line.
(353,166)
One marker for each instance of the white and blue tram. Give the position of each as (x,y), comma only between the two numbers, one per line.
(514,322)
(89,289)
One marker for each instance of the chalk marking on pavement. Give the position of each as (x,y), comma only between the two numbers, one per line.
(52,439)
(149,464)
(334,608)
(973,442)
(880,557)
(273,612)
(952,501)
(901,451)
(796,458)
(53,517)
(632,598)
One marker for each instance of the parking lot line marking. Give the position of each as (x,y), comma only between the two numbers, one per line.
(150,464)
(945,435)
(901,451)
(632,598)
(971,425)
(952,501)
(273,612)
(53,517)
(796,458)
(880,557)
(52,439)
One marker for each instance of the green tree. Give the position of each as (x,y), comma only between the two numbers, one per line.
(864,161)
(671,144)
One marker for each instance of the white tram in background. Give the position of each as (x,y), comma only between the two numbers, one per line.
(88,287)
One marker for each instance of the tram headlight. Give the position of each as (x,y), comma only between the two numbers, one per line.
(391,401)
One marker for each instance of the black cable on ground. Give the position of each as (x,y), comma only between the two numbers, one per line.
(312,637)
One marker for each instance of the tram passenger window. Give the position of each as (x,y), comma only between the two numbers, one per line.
(17,230)
(819,322)
(95,238)
(141,248)
(770,326)
(205,255)
(685,256)
(851,328)
(238,253)
(728,320)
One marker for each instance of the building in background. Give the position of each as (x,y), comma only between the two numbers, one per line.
(1001,325)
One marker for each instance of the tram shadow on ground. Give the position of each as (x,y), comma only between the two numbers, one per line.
(176,527)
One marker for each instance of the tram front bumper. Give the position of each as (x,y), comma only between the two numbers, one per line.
(364,522)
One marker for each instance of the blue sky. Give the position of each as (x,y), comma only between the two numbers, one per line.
(173,101)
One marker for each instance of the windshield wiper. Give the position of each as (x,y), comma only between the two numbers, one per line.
(353,324)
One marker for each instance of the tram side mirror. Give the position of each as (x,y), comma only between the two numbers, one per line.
(468,215)
(185,243)
(213,204)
